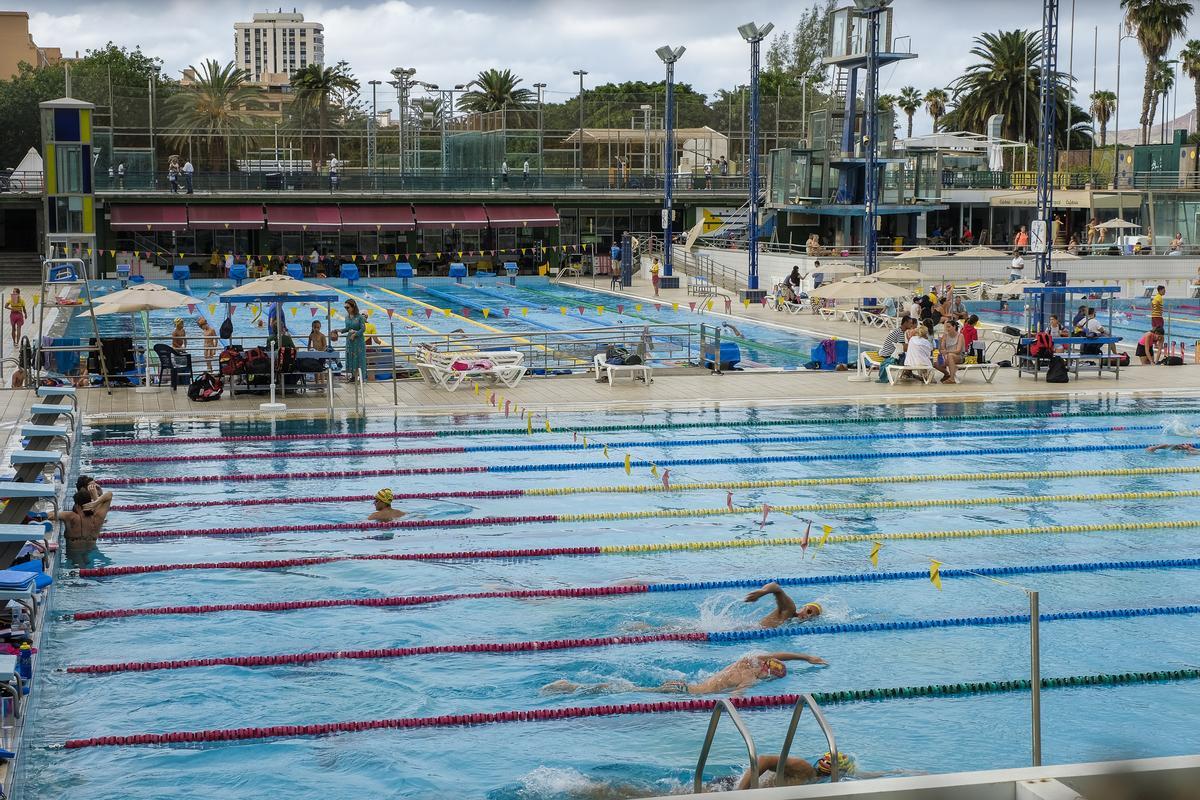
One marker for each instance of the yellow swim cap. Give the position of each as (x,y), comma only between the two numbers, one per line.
(179,320)
(815,605)
(845,764)
(384,496)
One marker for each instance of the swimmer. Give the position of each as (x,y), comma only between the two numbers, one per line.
(735,678)
(1191,450)
(736,332)
(84,521)
(785,607)
(383,507)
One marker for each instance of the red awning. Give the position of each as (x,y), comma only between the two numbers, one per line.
(378,218)
(303,218)
(148,218)
(225,218)
(462,217)
(522,216)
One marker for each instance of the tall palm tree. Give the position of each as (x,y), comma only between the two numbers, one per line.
(323,89)
(493,90)
(1157,23)
(1189,61)
(1103,103)
(909,100)
(1164,82)
(935,104)
(213,108)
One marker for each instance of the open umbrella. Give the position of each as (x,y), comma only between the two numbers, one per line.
(1017,287)
(902,275)
(143,298)
(835,268)
(1063,255)
(922,252)
(1116,223)
(858,287)
(980,251)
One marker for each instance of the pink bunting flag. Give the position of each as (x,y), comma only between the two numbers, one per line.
(466,312)
(764,302)
(506,311)
(692,306)
(658,306)
(313,309)
(390,312)
(804,541)
(581,309)
(191,308)
(507,406)
(620,309)
(428,313)
(766,511)
(666,479)
(574,436)
(729,500)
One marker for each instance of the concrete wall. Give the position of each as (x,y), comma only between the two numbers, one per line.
(16,45)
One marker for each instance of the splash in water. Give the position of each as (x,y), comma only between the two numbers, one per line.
(1175,426)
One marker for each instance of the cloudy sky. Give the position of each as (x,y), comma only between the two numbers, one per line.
(544,40)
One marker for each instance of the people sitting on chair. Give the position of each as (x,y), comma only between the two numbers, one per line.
(951,352)
(919,352)
(893,346)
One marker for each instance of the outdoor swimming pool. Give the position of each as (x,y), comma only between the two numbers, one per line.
(1004,467)
(1131,318)
(478,307)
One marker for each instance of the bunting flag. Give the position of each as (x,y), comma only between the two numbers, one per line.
(746,302)
(294,310)
(212,308)
(428,313)
(875,548)
(524,311)
(935,573)
(766,511)
(674,306)
(191,308)
(666,478)
(654,470)
(628,465)
(658,306)
(709,305)
(466,312)
(529,425)
(492,398)
(764,302)
(599,310)
(804,541)
(476,385)
(637,307)
(507,404)
(562,310)
(729,500)
(606,451)
(585,443)
(486,312)
(691,306)
(506,311)
(313,310)
(390,312)
(445,312)
(826,530)
(548,429)
(620,309)
(581,310)
(574,436)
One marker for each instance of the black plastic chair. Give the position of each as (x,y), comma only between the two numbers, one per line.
(179,364)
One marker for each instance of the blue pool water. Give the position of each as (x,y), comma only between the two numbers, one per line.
(533,306)
(1130,318)
(639,753)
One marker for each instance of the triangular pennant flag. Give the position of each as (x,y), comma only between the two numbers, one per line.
(708,305)
(658,306)
(599,309)
(408,312)
(691,306)
(313,310)
(486,312)
(390,312)
(428,313)
(212,308)
(295,310)
(574,436)
(445,312)
(637,307)
(507,406)
(606,451)
(562,310)
(506,311)
(666,479)
(764,302)
(466,312)
(935,573)
(581,309)
(766,511)
(585,443)
(191,308)
(746,302)
(548,429)
(529,424)
(674,306)
(729,500)
(620,309)
(654,470)
(628,465)
(825,532)
(875,548)
(524,311)
(804,541)
(476,385)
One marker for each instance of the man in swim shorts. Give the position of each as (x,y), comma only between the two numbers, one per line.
(1191,450)
(383,507)
(735,679)
(785,607)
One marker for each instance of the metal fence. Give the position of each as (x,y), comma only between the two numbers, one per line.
(20,182)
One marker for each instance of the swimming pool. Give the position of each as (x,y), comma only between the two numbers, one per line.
(1080,464)
(480,307)
(1131,318)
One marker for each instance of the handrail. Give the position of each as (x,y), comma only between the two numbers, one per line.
(806,699)
(724,705)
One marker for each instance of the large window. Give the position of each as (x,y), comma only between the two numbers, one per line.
(69,164)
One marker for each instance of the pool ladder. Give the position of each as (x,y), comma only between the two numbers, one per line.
(725,706)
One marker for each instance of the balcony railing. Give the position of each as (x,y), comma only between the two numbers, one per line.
(15,182)
(1022,180)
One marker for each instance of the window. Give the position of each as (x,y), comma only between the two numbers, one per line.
(69,160)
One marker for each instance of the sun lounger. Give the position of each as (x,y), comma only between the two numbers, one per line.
(437,369)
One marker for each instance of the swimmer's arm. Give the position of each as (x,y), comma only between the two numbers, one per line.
(741,688)
(765,764)
(797,657)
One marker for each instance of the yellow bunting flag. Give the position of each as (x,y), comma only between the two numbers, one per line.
(654,470)
(674,306)
(600,310)
(294,310)
(746,303)
(36,298)
(637,307)
(445,312)
(548,430)
(486,312)
(825,533)
(408,311)
(875,548)
(476,385)
(628,465)
(212,308)
(562,310)
(606,451)
(935,573)
(709,305)
(529,424)
(585,443)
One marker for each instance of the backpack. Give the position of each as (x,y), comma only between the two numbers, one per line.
(1042,345)
(1171,361)
(1057,371)
(615,354)
(206,387)
(231,360)
(257,361)
(226,331)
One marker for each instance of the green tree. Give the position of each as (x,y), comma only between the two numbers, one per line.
(1189,61)
(213,109)
(797,53)
(495,90)
(323,91)
(1164,82)
(935,104)
(909,100)
(1103,103)
(1156,24)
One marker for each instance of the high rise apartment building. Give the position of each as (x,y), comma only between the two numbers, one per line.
(276,44)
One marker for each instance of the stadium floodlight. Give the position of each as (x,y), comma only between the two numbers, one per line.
(670,55)
(752,33)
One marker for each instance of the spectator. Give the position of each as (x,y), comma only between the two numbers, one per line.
(707,174)
(173,173)
(1079,318)
(188,171)
(951,351)
(971,340)
(894,346)
(504,173)
(1021,241)
(1176,246)
(525,172)
(1017,267)
(334,172)
(919,351)
(1073,245)
(723,167)
(914,308)
(1149,347)
(121,175)
(314,261)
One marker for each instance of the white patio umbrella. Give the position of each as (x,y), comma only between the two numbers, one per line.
(836,268)
(858,287)
(1017,287)
(922,252)
(1116,223)
(1063,255)
(143,298)
(903,275)
(980,251)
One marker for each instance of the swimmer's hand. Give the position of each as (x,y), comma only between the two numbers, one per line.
(815,661)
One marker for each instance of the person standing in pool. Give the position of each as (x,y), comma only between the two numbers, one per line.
(356,342)
(735,679)
(785,607)
(383,507)
(84,520)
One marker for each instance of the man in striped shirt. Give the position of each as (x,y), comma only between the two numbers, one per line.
(893,341)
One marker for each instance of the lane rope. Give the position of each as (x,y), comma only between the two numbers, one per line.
(791,458)
(743,423)
(664,443)
(609,591)
(612,516)
(657,707)
(756,634)
(648,488)
(634,549)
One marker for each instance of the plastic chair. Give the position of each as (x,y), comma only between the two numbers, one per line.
(179,364)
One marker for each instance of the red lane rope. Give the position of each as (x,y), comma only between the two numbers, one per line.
(479,494)
(278,437)
(254,530)
(477,718)
(366,602)
(283,563)
(402,451)
(276,476)
(389,652)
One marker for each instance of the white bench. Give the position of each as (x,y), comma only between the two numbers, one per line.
(613,371)
(988,371)
(437,369)
(897,371)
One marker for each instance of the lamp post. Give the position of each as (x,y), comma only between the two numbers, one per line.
(1123,32)
(403,77)
(753,34)
(371,136)
(541,156)
(669,56)
(151,90)
(579,133)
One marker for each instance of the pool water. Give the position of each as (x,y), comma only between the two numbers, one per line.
(533,306)
(1130,318)
(639,754)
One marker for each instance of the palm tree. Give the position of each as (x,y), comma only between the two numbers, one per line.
(1103,103)
(935,104)
(909,101)
(321,88)
(1157,23)
(494,90)
(1164,82)
(213,108)
(1189,61)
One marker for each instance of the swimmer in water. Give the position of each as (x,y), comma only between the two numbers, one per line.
(736,332)
(785,607)
(383,507)
(1191,450)
(734,679)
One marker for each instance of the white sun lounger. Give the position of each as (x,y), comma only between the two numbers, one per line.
(437,368)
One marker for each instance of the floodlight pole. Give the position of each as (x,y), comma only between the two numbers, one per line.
(669,56)
(1047,150)
(753,34)
(871,140)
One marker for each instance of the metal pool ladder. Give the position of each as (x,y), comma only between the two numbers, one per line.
(725,705)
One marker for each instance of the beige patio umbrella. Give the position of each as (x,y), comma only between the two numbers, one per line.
(1063,255)
(836,268)
(143,298)
(1016,287)
(1116,223)
(922,252)
(858,287)
(980,251)
(903,275)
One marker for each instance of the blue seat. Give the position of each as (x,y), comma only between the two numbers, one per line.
(349,273)
(56,391)
(11,534)
(135,279)
(458,271)
(296,271)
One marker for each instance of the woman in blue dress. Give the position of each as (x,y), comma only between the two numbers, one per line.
(356,342)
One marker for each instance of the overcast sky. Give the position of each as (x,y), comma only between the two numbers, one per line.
(544,40)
